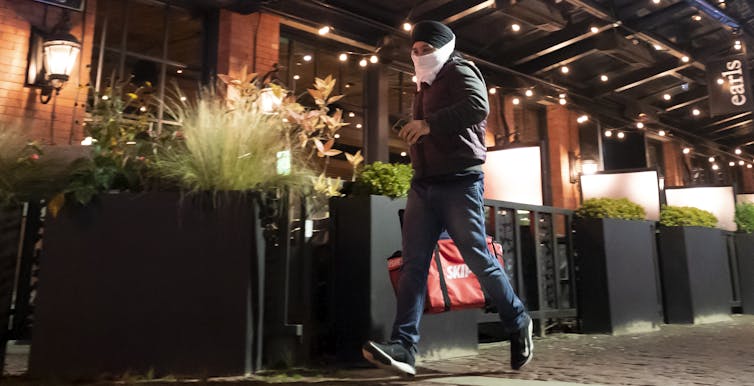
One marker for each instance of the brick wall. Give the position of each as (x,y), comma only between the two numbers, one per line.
(563,136)
(237,47)
(20,104)
(673,157)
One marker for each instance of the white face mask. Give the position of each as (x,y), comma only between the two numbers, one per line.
(427,66)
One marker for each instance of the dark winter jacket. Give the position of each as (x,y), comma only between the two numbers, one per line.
(456,108)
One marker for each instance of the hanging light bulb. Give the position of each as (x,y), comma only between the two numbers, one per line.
(608,133)
(515,27)
(562,101)
(696,112)
(493,90)
(296,77)
(529,93)
(565,69)
(685,59)
(731,163)
(741,163)
(639,125)
(738,151)
(351,114)
(363,63)
(715,167)
(748,166)
(686,150)
(661,133)
(307,58)
(324,30)
(604,78)
(621,135)
(711,159)
(595,30)
(407,26)
(582,119)
(414,78)
(720,81)
(343,57)
(667,97)
(516,101)
(374,59)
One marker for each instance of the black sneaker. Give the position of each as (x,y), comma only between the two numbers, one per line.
(522,347)
(390,356)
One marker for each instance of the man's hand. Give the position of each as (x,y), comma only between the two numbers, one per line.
(414,130)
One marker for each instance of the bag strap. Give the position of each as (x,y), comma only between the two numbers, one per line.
(443,284)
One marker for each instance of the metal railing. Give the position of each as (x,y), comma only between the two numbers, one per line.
(538,251)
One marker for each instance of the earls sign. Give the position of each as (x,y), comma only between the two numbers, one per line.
(729,85)
(77,5)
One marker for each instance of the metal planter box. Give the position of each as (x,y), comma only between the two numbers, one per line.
(150,283)
(366,231)
(617,276)
(695,274)
(745,257)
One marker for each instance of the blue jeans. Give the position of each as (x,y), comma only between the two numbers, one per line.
(455,204)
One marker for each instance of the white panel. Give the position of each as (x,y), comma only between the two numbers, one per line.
(718,200)
(741,198)
(639,187)
(514,175)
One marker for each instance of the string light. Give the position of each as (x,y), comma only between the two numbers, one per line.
(737,45)
(741,163)
(529,93)
(582,119)
(661,133)
(343,57)
(143,109)
(731,163)
(403,154)
(363,63)
(608,133)
(179,71)
(711,159)
(296,77)
(749,166)
(351,114)
(720,81)
(407,26)
(307,58)
(715,167)
(336,136)
(414,79)
(657,47)
(595,30)
(604,78)
(324,30)
(516,101)
(565,69)
(562,101)
(359,126)
(686,150)
(738,151)
(183,99)
(374,59)
(493,90)
(656,1)
(697,17)
(696,112)
(621,135)
(667,97)
(685,59)
(639,125)
(515,27)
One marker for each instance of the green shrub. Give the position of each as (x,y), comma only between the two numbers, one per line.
(745,217)
(620,208)
(387,179)
(672,216)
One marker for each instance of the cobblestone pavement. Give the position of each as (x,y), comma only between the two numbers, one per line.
(712,354)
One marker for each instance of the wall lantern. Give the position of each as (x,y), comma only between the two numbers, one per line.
(52,58)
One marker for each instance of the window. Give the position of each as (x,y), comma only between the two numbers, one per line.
(149,44)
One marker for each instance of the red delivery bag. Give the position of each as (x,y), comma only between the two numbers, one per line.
(450,285)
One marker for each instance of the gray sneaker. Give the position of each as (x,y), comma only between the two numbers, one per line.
(390,356)
(522,346)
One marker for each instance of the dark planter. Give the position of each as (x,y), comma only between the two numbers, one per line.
(150,283)
(745,257)
(366,231)
(695,274)
(617,278)
(10,225)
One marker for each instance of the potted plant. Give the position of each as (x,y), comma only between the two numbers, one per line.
(617,279)
(174,261)
(366,230)
(694,266)
(745,255)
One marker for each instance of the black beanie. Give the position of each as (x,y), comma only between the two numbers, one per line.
(432,32)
